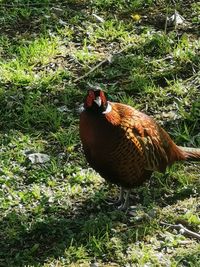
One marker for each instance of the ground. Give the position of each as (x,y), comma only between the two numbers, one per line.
(56,213)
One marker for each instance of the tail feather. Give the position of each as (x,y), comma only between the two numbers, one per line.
(191,153)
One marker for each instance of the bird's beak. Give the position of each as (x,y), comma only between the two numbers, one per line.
(98,101)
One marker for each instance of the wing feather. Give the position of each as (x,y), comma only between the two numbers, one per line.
(152,140)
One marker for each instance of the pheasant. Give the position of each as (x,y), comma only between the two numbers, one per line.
(124,145)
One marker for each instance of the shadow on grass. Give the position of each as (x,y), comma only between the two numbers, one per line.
(27,19)
(32,239)
(53,232)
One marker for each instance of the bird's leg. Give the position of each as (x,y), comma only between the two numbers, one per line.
(125,205)
(127,198)
(121,196)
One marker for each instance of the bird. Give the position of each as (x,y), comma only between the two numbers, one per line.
(124,145)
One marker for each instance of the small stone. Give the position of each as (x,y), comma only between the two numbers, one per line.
(36,158)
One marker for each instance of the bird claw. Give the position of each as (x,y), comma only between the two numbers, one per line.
(121,203)
(122,207)
(117,203)
(114,202)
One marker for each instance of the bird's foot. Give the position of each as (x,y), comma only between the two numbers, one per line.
(113,202)
(125,205)
(117,202)
(120,199)
(122,203)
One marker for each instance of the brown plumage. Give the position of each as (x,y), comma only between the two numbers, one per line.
(124,145)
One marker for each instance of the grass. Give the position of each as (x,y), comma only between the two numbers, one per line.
(56,213)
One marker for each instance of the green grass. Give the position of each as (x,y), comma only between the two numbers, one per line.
(57,213)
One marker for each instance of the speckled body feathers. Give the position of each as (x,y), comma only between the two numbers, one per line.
(125,146)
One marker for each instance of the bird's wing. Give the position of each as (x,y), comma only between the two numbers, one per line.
(152,141)
(154,145)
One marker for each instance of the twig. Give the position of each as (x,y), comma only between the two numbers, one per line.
(182,229)
(108,59)
(90,71)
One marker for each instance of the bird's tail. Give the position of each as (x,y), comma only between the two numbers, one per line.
(191,153)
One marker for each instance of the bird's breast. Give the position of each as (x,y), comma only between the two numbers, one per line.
(96,133)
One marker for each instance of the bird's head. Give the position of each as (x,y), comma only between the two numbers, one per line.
(96,102)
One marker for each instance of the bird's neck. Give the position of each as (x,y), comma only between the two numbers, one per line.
(108,108)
